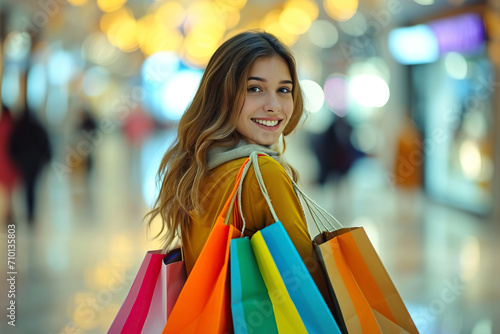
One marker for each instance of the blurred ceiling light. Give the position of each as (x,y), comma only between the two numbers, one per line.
(77,3)
(336,94)
(110,5)
(308,6)
(17,46)
(123,34)
(414,45)
(295,21)
(314,97)
(95,81)
(108,18)
(97,49)
(323,33)
(178,92)
(341,10)
(456,65)
(235,4)
(157,68)
(470,159)
(36,86)
(61,68)
(355,26)
(424,2)
(170,14)
(369,90)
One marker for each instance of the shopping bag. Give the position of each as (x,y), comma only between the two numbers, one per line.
(204,304)
(153,293)
(365,293)
(173,272)
(251,305)
(297,303)
(274,249)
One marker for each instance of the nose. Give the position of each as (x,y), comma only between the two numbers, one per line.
(272,103)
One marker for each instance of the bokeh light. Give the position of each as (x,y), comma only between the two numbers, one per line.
(340,10)
(470,159)
(369,90)
(414,45)
(323,33)
(335,89)
(110,5)
(456,65)
(178,92)
(97,49)
(61,68)
(314,97)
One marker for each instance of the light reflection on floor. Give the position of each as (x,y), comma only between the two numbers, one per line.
(76,264)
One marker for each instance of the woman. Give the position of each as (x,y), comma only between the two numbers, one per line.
(249,97)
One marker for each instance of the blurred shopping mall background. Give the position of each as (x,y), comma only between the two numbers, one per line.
(403,102)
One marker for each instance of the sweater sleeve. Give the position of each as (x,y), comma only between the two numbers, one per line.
(289,211)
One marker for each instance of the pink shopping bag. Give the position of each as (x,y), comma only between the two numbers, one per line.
(152,295)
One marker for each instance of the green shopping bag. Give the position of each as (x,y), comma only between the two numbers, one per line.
(251,306)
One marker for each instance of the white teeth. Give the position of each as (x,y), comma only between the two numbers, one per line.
(266,123)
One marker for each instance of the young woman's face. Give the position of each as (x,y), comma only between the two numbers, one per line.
(268,103)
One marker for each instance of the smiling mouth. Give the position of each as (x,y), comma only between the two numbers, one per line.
(266,123)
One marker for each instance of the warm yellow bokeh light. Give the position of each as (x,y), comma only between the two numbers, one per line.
(122,33)
(170,14)
(285,36)
(295,21)
(470,159)
(159,39)
(108,18)
(203,13)
(110,5)
(232,18)
(341,10)
(77,3)
(236,4)
(201,42)
(308,6)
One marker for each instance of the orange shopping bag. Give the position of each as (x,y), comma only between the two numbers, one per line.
(204,304)
(365,293)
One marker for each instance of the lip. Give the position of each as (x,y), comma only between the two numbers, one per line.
(265,127)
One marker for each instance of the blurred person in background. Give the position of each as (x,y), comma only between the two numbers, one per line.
(30,150)
(334,151)
(86,128)
(8,171)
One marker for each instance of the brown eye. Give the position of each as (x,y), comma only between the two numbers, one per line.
(254,89)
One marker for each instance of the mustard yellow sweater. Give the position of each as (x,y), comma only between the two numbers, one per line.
(216,189)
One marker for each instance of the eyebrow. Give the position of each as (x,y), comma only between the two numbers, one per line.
(264,80)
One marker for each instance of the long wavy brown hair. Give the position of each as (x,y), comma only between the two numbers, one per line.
(210,121)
